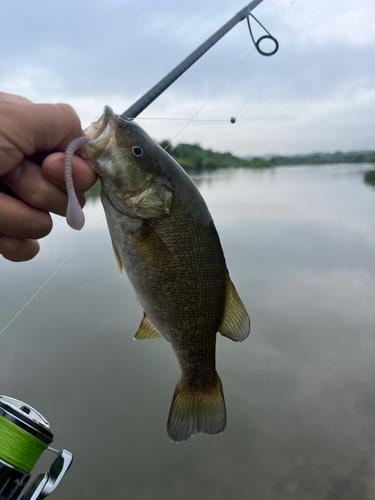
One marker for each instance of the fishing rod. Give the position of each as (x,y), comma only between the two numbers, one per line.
(150,96)
(24,435)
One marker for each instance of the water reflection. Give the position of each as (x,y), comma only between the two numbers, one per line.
(299,244)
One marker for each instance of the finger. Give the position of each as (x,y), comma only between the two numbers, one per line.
(51,125)
(17,250)
(83,177)
(19,220)
(28,128)
(15,99)
(29,184)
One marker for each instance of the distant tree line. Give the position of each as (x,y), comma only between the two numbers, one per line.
(321,158)
(192,157)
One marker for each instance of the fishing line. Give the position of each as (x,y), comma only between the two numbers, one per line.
(290,41)
(182,119)
(231,74)
(28,450)
(282,15)
(259,40)
(209,99)
(52,275)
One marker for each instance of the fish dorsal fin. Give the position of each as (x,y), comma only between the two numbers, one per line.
(147,330)
(235,323)
(118,258)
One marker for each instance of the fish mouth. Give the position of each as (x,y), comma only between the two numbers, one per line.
(102,134)
(98,127)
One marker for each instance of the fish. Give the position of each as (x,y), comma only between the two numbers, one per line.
(165,239)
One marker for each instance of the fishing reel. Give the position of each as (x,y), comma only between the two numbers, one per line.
(24,435)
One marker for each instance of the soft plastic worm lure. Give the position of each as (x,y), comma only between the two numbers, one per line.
(74,212)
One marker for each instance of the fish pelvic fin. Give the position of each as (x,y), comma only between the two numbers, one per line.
(196,412)
(236,322)
(147,330)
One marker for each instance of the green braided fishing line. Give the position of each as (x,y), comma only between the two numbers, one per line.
(18,447)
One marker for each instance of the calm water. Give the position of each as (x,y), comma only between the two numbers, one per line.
(300,391)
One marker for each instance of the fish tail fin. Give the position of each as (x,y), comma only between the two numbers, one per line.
(196,411)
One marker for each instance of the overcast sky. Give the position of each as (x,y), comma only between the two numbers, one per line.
(316,94)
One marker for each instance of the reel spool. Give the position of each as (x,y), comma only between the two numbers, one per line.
(24,435)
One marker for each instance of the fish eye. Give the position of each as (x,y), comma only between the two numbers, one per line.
(138,151)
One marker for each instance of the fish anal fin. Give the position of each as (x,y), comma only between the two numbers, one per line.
(235,323)
(118,258)
(147,330)
(196,412)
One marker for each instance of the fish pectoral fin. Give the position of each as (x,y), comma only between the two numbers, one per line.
(118,258)
(147,330)
(235,323)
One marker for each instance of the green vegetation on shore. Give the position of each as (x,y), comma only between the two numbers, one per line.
(193,157)
(324,158)
(369,178)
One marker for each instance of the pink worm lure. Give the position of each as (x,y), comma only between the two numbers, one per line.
(74,213)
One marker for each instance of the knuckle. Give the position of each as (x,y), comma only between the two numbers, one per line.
(70,112)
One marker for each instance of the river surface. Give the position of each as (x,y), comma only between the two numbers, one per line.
(300,391)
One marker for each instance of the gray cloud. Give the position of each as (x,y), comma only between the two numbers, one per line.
(93,53)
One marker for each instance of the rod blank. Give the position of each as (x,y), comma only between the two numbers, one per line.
(150,96)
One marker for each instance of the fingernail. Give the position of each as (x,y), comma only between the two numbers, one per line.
(13,174)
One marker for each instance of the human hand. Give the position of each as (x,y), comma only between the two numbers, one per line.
(32,140)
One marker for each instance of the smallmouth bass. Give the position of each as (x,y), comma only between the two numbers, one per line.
(164,237)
